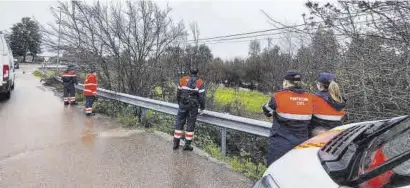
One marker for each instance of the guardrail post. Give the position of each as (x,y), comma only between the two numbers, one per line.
(143,117)
(223,141)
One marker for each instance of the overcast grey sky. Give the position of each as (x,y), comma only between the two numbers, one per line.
(214,18)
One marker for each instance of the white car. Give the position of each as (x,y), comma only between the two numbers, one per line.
(7,69)
(366,155)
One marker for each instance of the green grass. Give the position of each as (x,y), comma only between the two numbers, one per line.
(251,100)
(50,73)
(37,74)
(128,119)
(249,169)
(158,90)
(80,98)
(46,74)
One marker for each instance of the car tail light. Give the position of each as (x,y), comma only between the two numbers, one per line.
(5,72)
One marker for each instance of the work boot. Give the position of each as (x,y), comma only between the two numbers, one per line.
(188,147)
(66,103)
(176,144)
(73,103)
(90,114)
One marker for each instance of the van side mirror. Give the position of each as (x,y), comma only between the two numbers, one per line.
(15,60)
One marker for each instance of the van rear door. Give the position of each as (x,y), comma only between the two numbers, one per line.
(3,56)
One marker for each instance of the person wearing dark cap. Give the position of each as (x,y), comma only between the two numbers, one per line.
(291,109)
(69,78)
(190,97)
(328,105)
(90,91)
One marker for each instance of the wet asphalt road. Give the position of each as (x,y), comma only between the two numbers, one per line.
(44,144)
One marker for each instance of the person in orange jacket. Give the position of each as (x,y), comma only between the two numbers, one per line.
(291,109)
(69,81)
(90,91)
(328,105)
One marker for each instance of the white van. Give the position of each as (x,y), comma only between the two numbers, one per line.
(7,69)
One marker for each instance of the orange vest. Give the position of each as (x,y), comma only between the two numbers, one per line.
(90,85)
(324,111)
(293,106)
(68,76)
(183,82)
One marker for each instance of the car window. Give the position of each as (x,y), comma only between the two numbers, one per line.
(391,144)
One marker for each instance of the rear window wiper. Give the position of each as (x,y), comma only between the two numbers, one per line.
(383,128)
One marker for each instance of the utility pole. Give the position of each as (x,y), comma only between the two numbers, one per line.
(269,43)
(58,44)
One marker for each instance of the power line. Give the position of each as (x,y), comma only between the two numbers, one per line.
(295,27)
(237,41)
(248,33)
(225,40)
(260,35)
(229,39)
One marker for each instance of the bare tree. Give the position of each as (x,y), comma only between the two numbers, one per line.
(123,40)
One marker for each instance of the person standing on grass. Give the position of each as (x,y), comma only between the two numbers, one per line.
(90,91)
(291,109)
(328,105)
(190,96)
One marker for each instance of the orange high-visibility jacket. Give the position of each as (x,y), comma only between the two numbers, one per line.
(293,106)
(90,85)
(69,77)
(324,111)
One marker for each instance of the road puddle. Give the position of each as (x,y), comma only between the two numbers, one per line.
(118,133)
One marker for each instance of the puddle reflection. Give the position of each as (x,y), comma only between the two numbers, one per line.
(88,135)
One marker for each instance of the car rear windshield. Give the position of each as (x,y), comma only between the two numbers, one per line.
(392,143)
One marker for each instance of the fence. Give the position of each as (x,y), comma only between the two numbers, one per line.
(224,121)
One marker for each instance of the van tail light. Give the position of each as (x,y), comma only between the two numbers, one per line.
(5,72)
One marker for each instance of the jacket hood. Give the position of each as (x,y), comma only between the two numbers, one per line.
(192,81)
(296,89)
(337,106)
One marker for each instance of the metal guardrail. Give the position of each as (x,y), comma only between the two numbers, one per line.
(225,121)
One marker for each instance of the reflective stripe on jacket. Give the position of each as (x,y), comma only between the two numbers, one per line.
(90,85)
(69,77)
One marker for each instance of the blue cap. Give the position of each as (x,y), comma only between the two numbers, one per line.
(326,78)
(292,75)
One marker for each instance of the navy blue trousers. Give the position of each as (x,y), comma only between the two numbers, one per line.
(89,101)
(281,141)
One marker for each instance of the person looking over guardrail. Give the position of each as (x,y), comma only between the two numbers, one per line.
(190,96)
(90,91)
(328,105)
(69,78)
(291,109)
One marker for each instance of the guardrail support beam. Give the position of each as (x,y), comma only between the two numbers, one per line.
(144,116)
(223,140)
